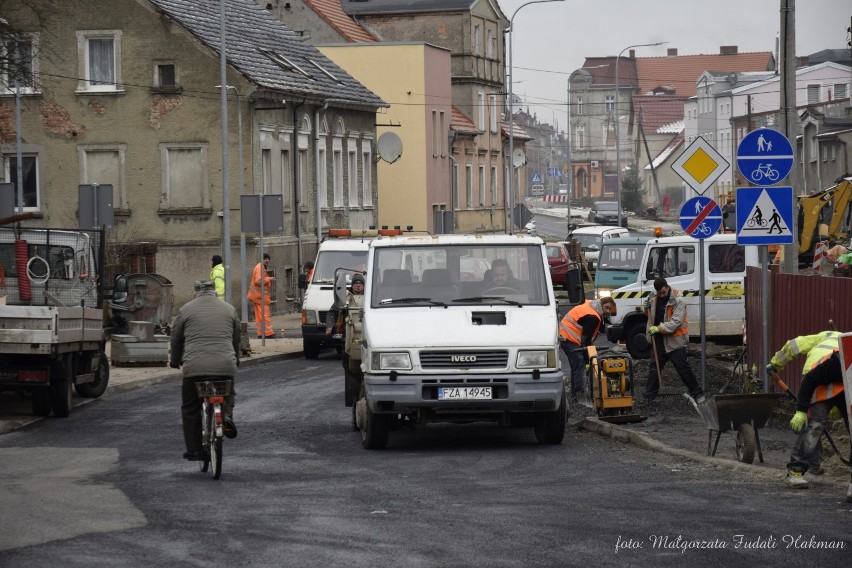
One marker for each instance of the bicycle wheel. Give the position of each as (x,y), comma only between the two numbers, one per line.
(206,429)
(216,457)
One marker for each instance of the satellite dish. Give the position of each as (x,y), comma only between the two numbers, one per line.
(390,147)
(518,158)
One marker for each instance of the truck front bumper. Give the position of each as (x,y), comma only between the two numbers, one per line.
(514,393)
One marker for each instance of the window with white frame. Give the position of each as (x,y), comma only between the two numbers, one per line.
(322,177)
(104,164)
(367,172)
(352,172)
(99,61)
(30,178)
(477,40)
(480,115)
(303,171)
(468,185)
(337,172)
(442,132)
(494,196)
(609,104)
(21,64)
(834,152)
(813,94)
(165,75)
(266,170)
(492,118)
(286,173)
(840,90)
(491,45)
(482,186)
(579,104)
(580,137)
(184,176)
(436,137)
(824,152)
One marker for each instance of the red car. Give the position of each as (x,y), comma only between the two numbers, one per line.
(557,258)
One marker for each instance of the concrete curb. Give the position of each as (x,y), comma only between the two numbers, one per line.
(622,434)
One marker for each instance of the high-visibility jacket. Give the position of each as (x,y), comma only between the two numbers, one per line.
(254,286)
(217,276)
(570,328)
(818,348)
(674,328)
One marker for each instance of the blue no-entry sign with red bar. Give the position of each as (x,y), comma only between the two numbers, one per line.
(700,217)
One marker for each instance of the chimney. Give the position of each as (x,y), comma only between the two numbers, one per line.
(632,54)
(728,50)
(671,52)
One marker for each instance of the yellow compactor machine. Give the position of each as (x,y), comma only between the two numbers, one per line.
(611,382)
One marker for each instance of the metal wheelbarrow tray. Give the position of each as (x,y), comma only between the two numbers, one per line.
(740,413)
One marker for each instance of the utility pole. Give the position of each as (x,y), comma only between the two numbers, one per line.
(788,110)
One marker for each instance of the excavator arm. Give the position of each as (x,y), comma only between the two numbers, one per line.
(841,199)
(809,209)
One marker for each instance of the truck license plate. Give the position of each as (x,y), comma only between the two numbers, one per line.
(464,393)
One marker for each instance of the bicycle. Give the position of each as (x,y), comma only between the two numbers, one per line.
(755,221)
(764,170)
(213,394)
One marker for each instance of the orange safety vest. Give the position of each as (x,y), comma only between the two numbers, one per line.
(253,294)
(684,328)
(829,391)
(571,330)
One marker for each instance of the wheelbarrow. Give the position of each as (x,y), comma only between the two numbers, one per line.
(742,415)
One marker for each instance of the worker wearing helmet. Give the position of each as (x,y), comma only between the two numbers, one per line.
(578,329)
(821,390)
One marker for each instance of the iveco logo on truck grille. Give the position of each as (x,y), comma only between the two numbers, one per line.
(463,358)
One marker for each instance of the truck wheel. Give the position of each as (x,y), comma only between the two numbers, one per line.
(311,349)
(550,427)
(41,402)
(61,378)
(637,349)
(374,434)
(97,387)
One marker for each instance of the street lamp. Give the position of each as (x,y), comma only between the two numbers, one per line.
(243,276)
(510,198)
(617,123)
(226,190)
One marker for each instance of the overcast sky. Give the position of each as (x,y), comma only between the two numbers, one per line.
(553,39)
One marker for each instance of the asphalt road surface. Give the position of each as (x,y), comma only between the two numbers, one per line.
(107,487)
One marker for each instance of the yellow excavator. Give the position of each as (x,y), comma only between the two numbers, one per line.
(811,206)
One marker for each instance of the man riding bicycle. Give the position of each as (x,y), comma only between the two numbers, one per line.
(205,342)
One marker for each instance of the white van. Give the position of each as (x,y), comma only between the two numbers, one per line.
(591,237)
(676,260)
(444,344)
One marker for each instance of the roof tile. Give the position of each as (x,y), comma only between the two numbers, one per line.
(331,12)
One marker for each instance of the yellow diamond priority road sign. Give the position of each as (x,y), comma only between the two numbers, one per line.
(700,165)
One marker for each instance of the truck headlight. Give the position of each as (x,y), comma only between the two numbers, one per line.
(310,317)
(391,361)
(604,293)
(536,359)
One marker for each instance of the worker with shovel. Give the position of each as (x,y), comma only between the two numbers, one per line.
(821,390)
(668,329)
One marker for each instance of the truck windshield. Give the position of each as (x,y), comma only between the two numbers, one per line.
(330,260)
(458,275)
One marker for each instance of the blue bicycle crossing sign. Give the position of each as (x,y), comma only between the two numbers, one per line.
(765,156)
(700,217)
(765,215)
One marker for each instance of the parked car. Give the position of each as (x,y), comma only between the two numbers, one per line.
(591,237)
(558,259)
(537,190)
(606,213)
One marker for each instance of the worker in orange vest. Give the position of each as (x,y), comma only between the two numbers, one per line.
(578,329)
(821,390)
(261,305)
(668,328)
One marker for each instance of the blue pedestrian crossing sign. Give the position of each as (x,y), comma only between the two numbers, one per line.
(765,157)
(700,217)
(536,177)
(765,215)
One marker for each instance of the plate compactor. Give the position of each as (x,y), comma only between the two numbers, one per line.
(611,383)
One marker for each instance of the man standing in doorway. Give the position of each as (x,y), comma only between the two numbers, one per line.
(261,305)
